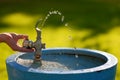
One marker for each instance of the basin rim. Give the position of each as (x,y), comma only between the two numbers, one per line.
(111,61)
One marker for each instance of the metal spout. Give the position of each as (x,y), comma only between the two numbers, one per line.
(37,45)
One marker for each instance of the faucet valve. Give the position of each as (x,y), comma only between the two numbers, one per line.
(28,44)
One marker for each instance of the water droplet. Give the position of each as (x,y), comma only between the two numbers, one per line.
(50,12)
(66,24)
(59,13)
(55,12)
(62,19)
(48,15)
(76,56)
(46,18)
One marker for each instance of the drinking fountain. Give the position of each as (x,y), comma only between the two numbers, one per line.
(60,63)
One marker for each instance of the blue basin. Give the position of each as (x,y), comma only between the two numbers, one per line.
(63,64)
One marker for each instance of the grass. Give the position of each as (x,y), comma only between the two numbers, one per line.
(91,24)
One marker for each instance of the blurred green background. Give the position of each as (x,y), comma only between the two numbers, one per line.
(93,24)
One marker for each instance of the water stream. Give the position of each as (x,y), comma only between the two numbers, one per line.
(50,13)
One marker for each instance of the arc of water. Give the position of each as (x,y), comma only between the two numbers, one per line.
(36,25)
(47,16)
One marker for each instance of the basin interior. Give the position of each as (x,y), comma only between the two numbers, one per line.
(61,61)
